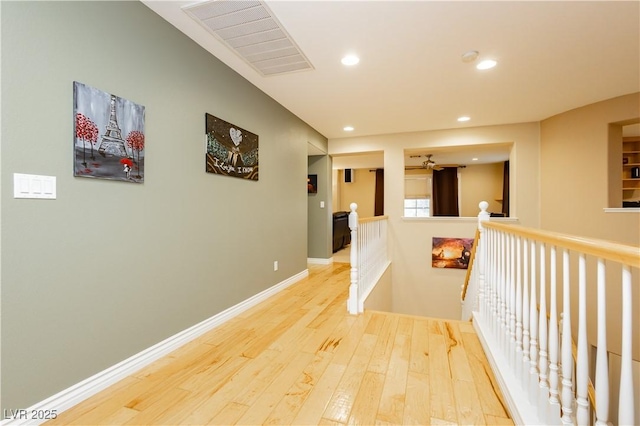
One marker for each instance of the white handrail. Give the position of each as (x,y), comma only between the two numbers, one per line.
(527,333)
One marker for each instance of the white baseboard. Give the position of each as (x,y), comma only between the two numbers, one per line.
(319,261)
(79,392)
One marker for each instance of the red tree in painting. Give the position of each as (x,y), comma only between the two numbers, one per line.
(135,141)
(86,131)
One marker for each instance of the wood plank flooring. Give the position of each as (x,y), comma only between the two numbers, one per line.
(300,359)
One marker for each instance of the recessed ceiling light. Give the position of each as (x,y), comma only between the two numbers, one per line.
(474,159)
(464,118)
(348,129)
(350,60)
(486,64)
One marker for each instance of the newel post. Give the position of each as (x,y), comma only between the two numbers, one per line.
(352,304)
(481,256)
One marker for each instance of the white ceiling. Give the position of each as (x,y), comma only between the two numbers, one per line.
(552,57)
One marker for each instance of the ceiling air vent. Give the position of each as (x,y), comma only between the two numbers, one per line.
(251,30)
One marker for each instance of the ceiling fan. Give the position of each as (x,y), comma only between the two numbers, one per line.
(428,164)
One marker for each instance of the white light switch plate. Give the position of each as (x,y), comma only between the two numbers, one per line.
(34,186)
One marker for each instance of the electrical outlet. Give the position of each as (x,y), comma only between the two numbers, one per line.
(275,265)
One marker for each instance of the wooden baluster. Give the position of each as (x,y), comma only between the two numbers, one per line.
(518,279)
(533,326)
(554,395)
(496,284)
(504,293)
(503,303)
(495,312)
(542,325)
(582,358)
(363,269)
(567,356)
(533,384)
(368,250)
(525,311)
(385,237)
(364,261)
(512,294)
(506,267)
(478,271)
(626,403)
(498,279)
(362,256)
(489,263)
(495,287)
(483,271)
(352,303)
(602,364)
(543,360)
(482,255)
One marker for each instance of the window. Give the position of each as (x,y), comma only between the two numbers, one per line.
(417,195)
(417,207)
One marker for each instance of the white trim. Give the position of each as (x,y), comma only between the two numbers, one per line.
(519,407)
(622,210)
(319,261)
(440,219)
(464,219)
(77,393)
(365,295)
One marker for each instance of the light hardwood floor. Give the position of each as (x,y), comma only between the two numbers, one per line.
(299,358)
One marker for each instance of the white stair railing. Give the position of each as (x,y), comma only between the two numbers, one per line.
(518,275)
(369,257)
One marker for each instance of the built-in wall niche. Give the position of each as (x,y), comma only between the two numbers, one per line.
(480,172)
(630,178)
(623,188)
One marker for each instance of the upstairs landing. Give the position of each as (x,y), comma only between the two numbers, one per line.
(299,358)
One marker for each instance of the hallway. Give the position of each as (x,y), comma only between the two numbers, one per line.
(299,358)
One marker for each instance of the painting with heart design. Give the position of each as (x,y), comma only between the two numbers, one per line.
(231,150)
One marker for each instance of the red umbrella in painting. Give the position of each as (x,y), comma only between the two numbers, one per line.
(128,164)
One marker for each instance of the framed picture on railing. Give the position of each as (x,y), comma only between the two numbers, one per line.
(451,252)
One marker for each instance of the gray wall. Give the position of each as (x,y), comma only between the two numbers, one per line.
(110,268)
(320,230)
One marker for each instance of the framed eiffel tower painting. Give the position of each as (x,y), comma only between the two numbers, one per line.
(108,137)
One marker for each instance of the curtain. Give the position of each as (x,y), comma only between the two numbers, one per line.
(444,194)
(505,189)
(379,197)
